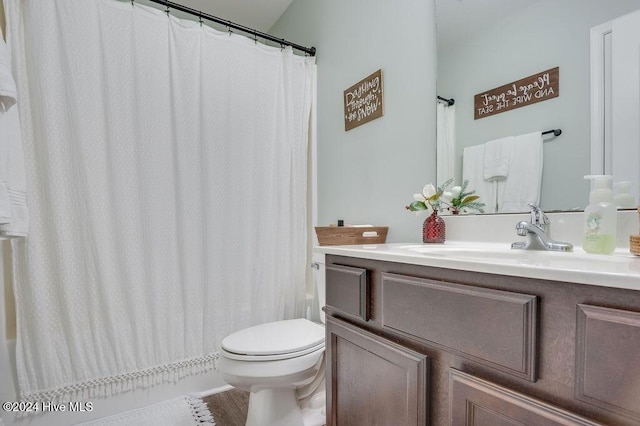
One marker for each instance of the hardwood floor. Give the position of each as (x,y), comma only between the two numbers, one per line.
(229,408)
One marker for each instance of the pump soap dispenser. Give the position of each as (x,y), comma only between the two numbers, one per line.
(622,197)
(600,217)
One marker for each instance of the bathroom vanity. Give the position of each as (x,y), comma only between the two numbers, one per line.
(477,334)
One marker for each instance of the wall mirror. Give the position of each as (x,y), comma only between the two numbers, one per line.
(488,43)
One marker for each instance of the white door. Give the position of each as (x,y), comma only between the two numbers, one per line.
(625,100)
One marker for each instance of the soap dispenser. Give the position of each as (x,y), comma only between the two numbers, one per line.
(622,197)
(600,217)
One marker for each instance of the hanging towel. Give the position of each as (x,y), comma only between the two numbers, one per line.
(7,84)
(523,184)
(473,171)
(445,142)
(14,216)
(497,158)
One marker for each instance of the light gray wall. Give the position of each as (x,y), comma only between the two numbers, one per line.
(550,33)
(368,174)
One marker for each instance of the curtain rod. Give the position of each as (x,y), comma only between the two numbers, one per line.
(448,101)
(311,51)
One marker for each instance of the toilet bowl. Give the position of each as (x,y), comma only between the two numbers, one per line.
(281,364)
(273,362)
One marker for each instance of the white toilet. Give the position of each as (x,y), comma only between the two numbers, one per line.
(282,364)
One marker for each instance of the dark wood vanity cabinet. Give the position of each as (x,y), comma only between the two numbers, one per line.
(417,345)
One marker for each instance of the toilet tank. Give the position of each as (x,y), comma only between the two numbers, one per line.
(319,286)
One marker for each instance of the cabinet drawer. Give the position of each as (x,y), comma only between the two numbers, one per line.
(492,327)
(348,290)
(480,403)
(607,368)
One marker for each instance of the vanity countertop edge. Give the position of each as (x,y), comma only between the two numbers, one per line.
(618,270)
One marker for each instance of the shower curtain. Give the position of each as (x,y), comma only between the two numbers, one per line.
(166,169)
(445,142)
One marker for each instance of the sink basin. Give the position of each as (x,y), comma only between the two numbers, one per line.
(491,253)
(620,269)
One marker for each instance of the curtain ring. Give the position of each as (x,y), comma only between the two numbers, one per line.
(229,27)
(166,4)
(255,38)
(200,17)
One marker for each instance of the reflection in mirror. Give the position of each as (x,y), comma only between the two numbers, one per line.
(486,44)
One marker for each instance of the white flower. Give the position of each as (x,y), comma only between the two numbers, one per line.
(455,191)
(447,195)
(418,197)
(429,190)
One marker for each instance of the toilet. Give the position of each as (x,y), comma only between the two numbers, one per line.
(281,364)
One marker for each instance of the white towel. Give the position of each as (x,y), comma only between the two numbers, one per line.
(497,158)
(14,216)
(525,175)
(473,171)
(8,93)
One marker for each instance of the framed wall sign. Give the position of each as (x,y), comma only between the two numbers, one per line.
(363,101)
(529,90)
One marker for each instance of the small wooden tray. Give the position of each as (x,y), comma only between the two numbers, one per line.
(350,235)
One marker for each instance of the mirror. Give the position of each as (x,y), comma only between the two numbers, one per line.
(490,43)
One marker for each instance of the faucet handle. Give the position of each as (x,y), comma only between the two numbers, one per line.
(537,216)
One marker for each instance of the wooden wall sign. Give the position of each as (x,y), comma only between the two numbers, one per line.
(363,101)
(529,90)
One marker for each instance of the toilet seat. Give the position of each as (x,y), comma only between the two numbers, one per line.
(274,341)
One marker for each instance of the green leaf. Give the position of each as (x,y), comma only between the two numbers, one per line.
(470,199)
(417,205)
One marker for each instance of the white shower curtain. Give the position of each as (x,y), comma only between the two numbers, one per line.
(166,169)
(445,142)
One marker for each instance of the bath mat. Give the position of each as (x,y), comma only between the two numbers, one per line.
(182,411)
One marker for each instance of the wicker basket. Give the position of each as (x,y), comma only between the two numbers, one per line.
(350,235)
(634,244)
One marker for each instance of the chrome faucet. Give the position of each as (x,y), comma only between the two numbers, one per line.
(538,233)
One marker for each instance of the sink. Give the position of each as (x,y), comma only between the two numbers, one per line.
(620,269)
(504,255)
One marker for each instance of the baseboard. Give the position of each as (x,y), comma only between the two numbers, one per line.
(213,391)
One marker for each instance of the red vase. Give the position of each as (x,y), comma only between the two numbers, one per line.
(433,229)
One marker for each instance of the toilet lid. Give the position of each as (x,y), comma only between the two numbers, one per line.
(275,338)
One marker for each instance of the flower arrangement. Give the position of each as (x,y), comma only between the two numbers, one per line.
(457,200)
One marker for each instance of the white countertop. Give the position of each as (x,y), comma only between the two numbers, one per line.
(619,270)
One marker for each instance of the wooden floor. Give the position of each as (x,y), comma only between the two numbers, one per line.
(229,408)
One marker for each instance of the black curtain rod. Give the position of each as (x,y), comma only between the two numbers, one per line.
(311,51)
(556,132)
(448,101)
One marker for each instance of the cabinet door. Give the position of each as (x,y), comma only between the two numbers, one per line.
(607,368)
(373,381)
(480,403)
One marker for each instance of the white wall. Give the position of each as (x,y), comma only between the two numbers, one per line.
(549,33)
(368,174)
